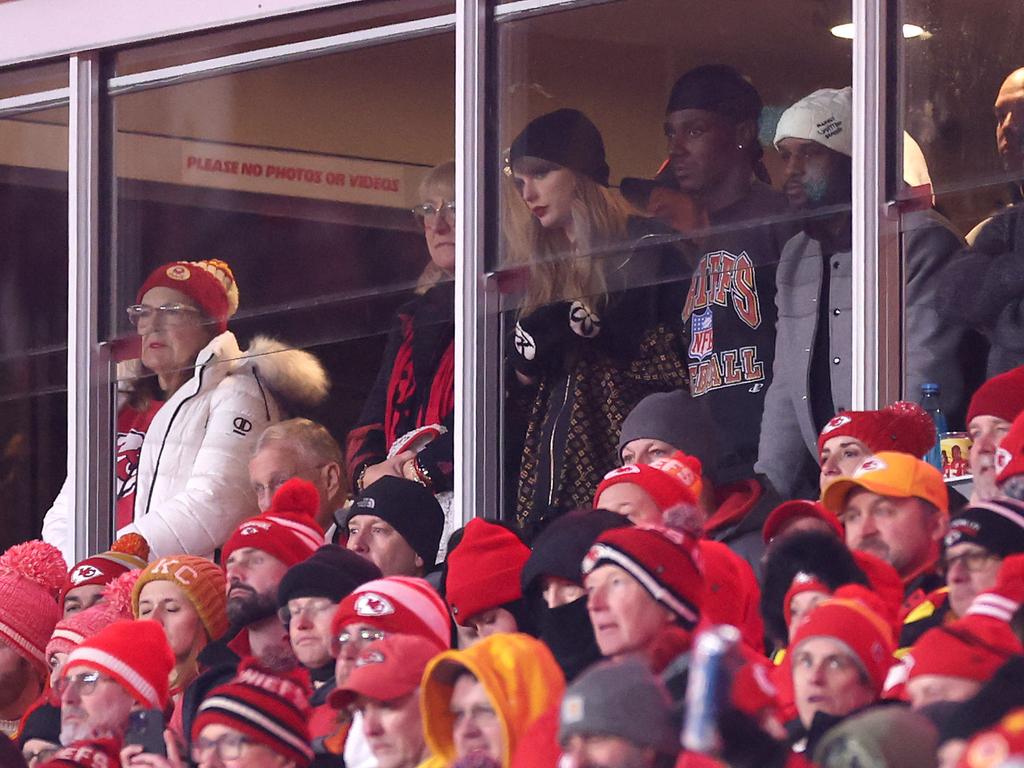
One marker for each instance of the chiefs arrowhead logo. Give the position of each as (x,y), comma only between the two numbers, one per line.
(83,573)
(1003,457)
(629,469)
(872,464)
(253,527)
(591,558)
(370,657)
(372,604)
(835,423)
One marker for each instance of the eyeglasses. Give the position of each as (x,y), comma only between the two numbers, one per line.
(973,561)
(312,609)
(85,683)
(362,636)
(426,213)
(167,314)
(228,747)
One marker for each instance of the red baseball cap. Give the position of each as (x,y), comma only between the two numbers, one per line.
(386,670)
(790,511)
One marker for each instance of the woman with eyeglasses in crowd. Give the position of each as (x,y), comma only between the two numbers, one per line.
(415,385)
(190,409)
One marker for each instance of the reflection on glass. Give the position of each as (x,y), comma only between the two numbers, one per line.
(688,130)
(588,341)
(961,102)
(281,194)
(406,427)
(33,294)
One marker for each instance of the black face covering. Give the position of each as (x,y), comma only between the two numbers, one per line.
(567,631)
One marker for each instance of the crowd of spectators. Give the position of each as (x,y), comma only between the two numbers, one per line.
(712,560)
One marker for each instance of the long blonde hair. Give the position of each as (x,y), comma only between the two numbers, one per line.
(439,182)
(558,269)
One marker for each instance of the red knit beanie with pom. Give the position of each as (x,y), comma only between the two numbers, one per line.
(129,552)
(31,575)
(288,530)
(209,283)
(902,427)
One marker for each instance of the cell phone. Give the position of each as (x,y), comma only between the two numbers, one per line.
(146,728)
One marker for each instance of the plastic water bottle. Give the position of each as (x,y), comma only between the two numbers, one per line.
(930,402)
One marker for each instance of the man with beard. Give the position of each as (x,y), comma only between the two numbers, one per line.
(814,340)
(122,668)
(895,507)
(256,557)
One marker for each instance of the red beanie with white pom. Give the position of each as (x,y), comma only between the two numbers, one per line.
(288,530)
(31,575)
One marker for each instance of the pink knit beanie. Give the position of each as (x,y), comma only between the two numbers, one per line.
(116,604)
(31,575)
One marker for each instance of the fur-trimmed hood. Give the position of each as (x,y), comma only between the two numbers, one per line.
(293,375)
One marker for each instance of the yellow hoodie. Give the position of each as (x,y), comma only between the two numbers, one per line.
(519,674)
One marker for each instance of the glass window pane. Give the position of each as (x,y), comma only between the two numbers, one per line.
(301,177)
(38,77)
(959,96)
(34,297)
(640,242)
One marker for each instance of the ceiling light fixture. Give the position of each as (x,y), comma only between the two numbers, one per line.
(910,31)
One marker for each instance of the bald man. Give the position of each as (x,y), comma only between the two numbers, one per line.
(985,289)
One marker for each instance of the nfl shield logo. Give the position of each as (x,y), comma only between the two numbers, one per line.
(702,334)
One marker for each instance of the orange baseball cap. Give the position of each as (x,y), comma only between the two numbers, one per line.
(898,475)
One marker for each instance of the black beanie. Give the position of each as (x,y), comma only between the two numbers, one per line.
(565,137)
(996,525)
(716,88)
(560,548)
(332,572)
(42,723)
(407,507)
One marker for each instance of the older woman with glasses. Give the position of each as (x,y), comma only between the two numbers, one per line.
(405,427)
(190,410)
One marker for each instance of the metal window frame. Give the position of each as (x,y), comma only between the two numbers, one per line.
(877,288)
(89,460)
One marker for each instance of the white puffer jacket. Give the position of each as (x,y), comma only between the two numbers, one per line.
(193,478)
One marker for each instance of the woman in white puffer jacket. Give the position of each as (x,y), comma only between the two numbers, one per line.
(189,413)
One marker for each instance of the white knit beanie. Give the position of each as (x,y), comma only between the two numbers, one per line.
(826,116)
